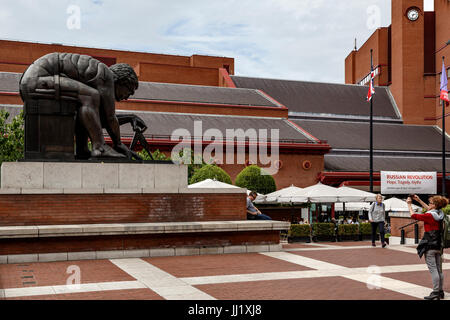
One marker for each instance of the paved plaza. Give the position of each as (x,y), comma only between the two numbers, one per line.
(303,271)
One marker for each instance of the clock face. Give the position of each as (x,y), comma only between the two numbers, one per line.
(413,14)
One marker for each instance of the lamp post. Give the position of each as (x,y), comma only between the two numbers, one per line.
(371,123)
(444,170)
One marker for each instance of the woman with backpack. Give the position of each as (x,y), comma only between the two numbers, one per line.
(377,215)
(430,245)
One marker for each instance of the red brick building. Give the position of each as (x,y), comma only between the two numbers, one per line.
(408,58)
(177,91)
(323,127)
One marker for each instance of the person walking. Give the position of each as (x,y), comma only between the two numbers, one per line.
(430,245)
(377,216)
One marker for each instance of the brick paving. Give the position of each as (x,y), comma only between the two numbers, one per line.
(133,294)
(422,278)
(331,288)
(354,258)
(301,271)
(350,243)
(296,245)
(211,265)
(57,273)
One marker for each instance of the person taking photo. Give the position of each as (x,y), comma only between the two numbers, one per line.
(430,245)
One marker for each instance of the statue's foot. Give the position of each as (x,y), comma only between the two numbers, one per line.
(106,151)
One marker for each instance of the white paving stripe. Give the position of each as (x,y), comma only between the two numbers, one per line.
(330,246)
(413,250)
(63,289)
(254,277)
(303,274)
(399,286)
(303,261)
(380,281)
(327,248)
(172,288)
(159,281)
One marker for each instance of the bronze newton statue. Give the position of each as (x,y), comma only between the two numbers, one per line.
(69,94)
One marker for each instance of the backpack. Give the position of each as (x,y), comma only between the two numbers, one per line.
(445,234)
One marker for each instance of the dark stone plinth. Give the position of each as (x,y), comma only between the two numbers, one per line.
(49,129)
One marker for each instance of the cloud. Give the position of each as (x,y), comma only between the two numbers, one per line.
(289,39)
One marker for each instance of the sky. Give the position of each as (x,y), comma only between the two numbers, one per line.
(280,39)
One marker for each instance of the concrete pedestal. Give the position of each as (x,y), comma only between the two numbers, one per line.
(68,210)
(88,175)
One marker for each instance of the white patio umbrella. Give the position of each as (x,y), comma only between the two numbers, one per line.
(273,196)
(395,204)
(318,193)
(352,206)
(213,183)
(347,194)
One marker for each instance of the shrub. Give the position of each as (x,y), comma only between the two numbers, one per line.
(323,229)
(348,229)
(446,209)
(157,155)
(11,137)
(365,228)
(253,178)
(210,171)
(300,230)
(194,161)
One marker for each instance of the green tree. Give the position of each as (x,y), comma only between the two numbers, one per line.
(255,179)
(195,161)
(12,142)
(186,155)
(210,171)
(157,155)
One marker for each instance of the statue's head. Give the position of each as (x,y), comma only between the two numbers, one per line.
(125,80)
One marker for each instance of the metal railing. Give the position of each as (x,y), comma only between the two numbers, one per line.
(416,232)
(233,139)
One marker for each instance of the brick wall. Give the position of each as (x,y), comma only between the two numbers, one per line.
(15,56)
(51,209)
(397,222)
(357,63)
(291,172)
(135,242)
(154,72)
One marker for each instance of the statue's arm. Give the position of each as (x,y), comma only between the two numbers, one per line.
(108,112)
(136,122)
(111,123)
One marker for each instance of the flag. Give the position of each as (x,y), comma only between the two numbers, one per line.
(444,83)
(371,87)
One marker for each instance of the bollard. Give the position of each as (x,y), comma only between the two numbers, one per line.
(402,240)
(416,233)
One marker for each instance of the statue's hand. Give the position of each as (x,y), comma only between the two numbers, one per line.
(138,123)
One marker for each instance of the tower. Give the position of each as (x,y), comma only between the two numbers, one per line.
(409,82)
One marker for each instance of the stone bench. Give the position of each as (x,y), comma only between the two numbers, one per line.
(24,244)
(9,232)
